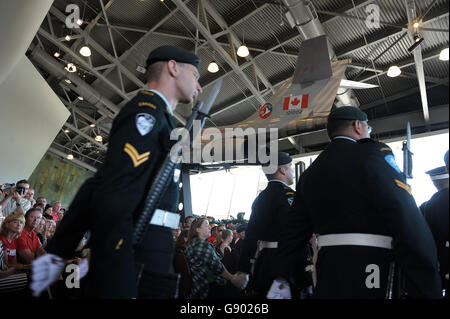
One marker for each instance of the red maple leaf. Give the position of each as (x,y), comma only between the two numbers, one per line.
(295,102)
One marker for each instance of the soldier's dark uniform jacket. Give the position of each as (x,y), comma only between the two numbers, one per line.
(109,203)
(357,188)
(268,218)
(436,214)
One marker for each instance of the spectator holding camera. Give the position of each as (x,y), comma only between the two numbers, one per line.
(14,200)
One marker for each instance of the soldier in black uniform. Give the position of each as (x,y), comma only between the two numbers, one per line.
(109,203)
(355,199)
(269,214)
(435,212)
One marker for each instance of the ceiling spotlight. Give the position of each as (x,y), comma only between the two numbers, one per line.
(57,55)
(443,56)
(394,71)
(417,41)
(213,67)
(67,81)
(68,37)
(92,125)
(416,25)
(99,138)
(242,51)
(79,22)
(70,68)
(85,51)
(80,98)
(66,131)
(69,156)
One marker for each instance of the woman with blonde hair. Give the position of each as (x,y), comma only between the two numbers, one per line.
(10,230)
(11,281)
(209,275)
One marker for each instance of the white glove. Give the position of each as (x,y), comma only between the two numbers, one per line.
(83,267)
(45,270)
(279,290)
(241,280)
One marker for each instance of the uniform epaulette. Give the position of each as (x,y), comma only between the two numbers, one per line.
(382,147)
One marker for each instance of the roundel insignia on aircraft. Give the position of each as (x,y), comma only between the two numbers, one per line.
(265,111)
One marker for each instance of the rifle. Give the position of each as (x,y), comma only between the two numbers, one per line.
(396,287)
(160,183)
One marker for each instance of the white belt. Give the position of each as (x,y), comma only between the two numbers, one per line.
(355,240)
(268,244)
(165,218)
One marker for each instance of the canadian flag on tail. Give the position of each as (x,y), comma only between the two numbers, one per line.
(298,101)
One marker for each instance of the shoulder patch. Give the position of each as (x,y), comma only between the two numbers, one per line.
(390,159)
(153,106)
(145,123)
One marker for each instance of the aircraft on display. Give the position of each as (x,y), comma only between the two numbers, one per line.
(302,103)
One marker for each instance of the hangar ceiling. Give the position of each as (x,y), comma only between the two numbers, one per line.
(121,33)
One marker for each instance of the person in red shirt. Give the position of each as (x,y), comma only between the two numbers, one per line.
(55,210)
(10,230)
(28,245)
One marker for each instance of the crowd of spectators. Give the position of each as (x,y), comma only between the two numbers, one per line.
(27,224)
(207,257)
(206,251)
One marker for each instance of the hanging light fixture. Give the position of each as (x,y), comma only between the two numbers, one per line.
(85,51)
(213,67)
(57,55)
(79,22)
(99,138)
(443,56)
(68,38)
(70,156)
(66,131)
(242,51)
(81,98)
(67,81)
(70,67)
(92,125)
(394,71)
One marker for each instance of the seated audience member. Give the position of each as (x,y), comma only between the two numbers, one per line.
(10,230)
(41,200)
(41,232)
(229,257)
(181,266)
(51,227)
(29,195)
(188,221)
(56,207)
(61,214)
(209,275)
(28,244)
(213,236)
(14,200)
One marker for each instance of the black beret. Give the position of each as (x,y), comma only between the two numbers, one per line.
(347,113)
(283,159)
(446,159)
(168,52)
(438,173)
(241,228)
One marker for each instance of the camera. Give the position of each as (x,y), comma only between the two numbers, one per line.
(6,186)
(20,190)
